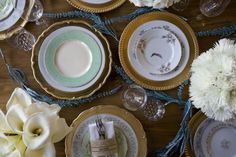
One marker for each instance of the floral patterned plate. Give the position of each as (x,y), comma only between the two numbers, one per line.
(168,22)
(215,139)
(158,51)
(129,132)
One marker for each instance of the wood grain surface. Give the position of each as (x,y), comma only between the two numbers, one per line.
(158,133)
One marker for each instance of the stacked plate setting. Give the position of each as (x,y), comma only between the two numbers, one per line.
(72,59)
(130,136)
(157,49)
(13,16)
(212,138)
(96,6)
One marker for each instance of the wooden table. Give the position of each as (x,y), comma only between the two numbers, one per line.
(158,133)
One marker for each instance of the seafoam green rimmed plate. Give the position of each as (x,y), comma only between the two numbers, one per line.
(55,44)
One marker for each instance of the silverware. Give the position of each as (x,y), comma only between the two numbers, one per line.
(101,130)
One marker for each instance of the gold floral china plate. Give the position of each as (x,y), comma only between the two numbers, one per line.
(194,123)
(16,19)
(96,6)
(57,48)
(154,22)
(128,131)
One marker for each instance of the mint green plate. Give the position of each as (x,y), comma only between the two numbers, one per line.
(51,51)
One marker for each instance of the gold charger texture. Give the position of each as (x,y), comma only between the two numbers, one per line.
(20,23)
(195,121)
(70,95)
(113,110)
(96,8)
(123,50)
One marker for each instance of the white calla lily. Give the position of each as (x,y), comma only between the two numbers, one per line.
(11,145)
(61,129)
(16,118)
(19,97)
(47,151)
(37,131)
(4,127)
(43,107)
(30,128)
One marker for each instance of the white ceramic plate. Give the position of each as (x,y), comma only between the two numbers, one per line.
(158,51)
(215,139)
(14,16)
(96,1)
(78,147)
(158,24)
(41,60)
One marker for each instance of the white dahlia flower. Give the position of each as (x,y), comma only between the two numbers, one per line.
(154,3)
(213,81)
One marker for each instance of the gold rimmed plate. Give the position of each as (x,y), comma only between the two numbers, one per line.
(62,94)
(96,6)
(124,121)
(193,125)
(152,21)
(16,19)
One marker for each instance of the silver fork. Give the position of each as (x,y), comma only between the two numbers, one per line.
(102,129)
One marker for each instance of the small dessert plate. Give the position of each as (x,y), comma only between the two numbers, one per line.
(158,51)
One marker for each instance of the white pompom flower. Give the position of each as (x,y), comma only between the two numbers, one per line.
(154,3)
(213,81)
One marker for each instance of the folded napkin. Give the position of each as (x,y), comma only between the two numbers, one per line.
(110,135)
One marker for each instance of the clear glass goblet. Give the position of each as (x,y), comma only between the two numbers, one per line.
(135,98)
(37,13)
(211,8)
(22,39)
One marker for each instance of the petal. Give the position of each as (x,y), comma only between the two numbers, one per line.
(15,153)
(3,123)
(61,129)
(19,97)
(43,107)
(16,118)
(5,147)
(37,131)
(47,151)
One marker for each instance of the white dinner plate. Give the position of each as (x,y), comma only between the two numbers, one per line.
(158,51)
(215,139)
(46,74)
(152,25)
(79,148)
(96,1)
(14,16)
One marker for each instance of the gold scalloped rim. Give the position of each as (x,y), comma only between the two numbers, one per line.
(92,7)
(195,121)
(114,110)
(18,25)
(172,83)
(77,95)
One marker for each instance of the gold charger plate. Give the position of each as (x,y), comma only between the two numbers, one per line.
(195,121)
(96,8)
(70,95)
(123,50)
(20,23)
(113,110)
